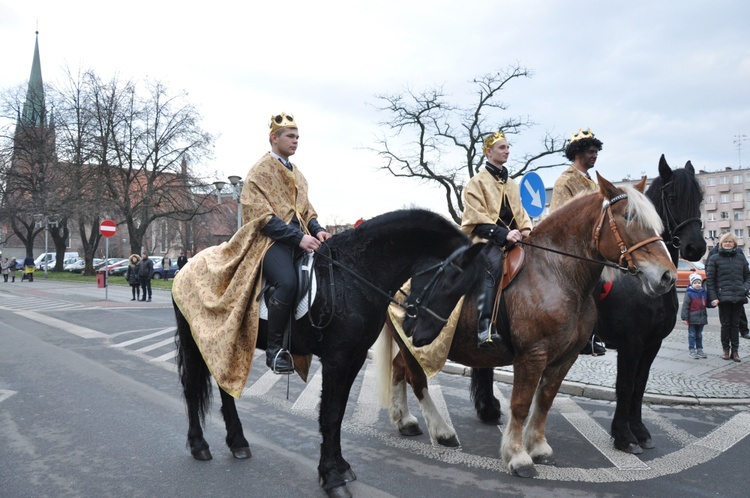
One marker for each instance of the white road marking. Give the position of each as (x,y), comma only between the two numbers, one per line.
(156,345)
(146,337)
(310,397)
(5,394)
(82,332)
(367,408)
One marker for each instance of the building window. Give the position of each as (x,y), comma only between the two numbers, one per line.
(724,180)
(737,179)
(724,215)
(724,198)
(712,234)
(737,197)
(712,181)
(739,215)
(739,233)
(711,217)
(712,198)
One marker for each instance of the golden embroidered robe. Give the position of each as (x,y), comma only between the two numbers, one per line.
(483,199)
(217,290)
(570,183)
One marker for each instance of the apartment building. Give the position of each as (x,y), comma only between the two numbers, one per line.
(726,205)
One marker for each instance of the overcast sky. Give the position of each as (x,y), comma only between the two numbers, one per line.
(648,77)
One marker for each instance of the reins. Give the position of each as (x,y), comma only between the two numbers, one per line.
(625,252)
(412,310)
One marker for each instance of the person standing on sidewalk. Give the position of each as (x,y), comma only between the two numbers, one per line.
(695,315)
(28,268)
(181,260)
(728,282)
(5,265)
(166,264)
(132,276)
(145,272)
(13,267)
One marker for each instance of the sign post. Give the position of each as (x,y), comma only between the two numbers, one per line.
(107,228)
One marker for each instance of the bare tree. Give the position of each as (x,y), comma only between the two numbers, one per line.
(434,140)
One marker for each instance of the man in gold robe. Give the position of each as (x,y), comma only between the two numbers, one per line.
(583,149)
(217,292)
(493,213)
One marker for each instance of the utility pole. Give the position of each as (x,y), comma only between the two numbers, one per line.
(738,139)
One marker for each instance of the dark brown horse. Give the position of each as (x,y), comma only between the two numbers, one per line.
(550,310)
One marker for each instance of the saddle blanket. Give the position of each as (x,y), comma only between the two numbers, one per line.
(433,356)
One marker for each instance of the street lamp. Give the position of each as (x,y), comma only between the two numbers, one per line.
(236,184)
(42,220)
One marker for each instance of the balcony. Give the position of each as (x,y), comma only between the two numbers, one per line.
(724,187)
(725,223)
(710,207)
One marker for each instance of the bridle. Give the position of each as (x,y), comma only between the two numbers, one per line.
(625,252)
(412,309)
(671,237)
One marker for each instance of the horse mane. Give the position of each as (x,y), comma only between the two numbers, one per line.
(642,210)
(420,227)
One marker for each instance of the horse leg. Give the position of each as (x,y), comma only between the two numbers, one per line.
(340,369)
(627,365)
(534,436)
(639,430)
(485,402)
(407,424)
(196,386)
(527,371)
(235,439)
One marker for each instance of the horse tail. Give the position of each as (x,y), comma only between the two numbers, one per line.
(383,358)
(194,374)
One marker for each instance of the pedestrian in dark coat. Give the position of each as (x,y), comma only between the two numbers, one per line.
(145,272)
(728,283)
(132,276)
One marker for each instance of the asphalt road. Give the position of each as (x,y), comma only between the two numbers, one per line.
(90,406)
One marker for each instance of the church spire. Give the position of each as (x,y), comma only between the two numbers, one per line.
(34,110)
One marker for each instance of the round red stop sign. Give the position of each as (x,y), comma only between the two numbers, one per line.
(107,228)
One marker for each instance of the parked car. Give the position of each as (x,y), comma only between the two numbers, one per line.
(51,257)
(686,268)
(120,268)
(159,271)
(111,263)
(78,266)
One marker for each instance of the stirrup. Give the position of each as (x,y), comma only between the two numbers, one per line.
(283,352)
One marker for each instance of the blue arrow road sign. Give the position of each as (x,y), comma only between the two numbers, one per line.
(533,195)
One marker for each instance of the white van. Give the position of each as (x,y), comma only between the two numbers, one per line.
(39,262)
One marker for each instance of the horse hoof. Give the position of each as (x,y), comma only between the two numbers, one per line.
(647,444)
(545,460)
(449,442)
(241,453)
(203,455)
(410,430)
(348,475)
(339,492)
(631,448)
(525,471)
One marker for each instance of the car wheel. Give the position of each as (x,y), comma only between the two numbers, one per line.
(157,276)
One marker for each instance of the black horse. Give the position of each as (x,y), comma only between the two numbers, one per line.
(359,270)
(629,320)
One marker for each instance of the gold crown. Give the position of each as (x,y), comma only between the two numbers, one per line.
(280,121)
(581,135)
(493,139)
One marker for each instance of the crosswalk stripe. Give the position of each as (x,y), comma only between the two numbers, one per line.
(145,337)
(310,396)
(82,332)
(166,356)
(367,407)
(156,345)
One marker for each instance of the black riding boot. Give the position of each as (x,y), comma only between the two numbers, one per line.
(487,335)
(278,359)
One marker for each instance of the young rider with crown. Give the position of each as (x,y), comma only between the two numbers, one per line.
(493,214)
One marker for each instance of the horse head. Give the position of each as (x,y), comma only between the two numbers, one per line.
(436,289)
(677,196)
(633,239)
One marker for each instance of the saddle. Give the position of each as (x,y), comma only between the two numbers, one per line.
(513,261)
(306,286)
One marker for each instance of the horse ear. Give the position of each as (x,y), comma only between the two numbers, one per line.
(689,168)
(665,172)
(641,185)
(605,187)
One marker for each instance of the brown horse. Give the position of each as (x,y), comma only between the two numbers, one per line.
(550,313)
